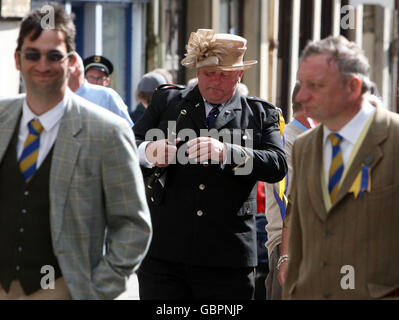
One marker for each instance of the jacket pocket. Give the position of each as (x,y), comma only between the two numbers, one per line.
(379,291)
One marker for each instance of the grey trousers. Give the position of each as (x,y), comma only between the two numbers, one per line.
(273,287)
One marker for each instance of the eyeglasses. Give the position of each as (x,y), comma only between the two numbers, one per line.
(52,56)
(95,79)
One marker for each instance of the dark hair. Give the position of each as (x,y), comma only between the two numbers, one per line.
(32,25)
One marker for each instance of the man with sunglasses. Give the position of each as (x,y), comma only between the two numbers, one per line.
(74,222)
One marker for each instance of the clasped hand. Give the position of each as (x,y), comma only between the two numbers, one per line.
(206,148)
(161,153)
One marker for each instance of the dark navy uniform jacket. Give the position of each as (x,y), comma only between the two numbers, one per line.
(205,213)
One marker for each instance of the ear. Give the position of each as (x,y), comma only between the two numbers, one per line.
(72,63)
(106,82)
(17,59)
(354,86)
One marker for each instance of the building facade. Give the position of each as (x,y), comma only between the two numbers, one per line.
(140,35)
(277,31)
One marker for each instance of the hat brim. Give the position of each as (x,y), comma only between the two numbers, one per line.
(97,66)
(244,66)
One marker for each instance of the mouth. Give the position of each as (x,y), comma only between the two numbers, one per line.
(42,76)
(214,89)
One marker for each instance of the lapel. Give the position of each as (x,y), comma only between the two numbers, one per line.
(194,104)
(9,118)
(370,152)
(231,110)
(315,166)
(65,154)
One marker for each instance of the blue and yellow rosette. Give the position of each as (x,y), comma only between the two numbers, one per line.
(362,182)
(281,194)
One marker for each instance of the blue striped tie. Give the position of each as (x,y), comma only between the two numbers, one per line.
(337,166)
(28,159)
(212,115)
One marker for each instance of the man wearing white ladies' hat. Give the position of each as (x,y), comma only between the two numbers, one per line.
(203,202)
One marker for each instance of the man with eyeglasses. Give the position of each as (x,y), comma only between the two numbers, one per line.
(98,69)
(74,222)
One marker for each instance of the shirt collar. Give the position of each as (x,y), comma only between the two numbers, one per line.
(82,89)
(48,119)
(351,131)
(209,105)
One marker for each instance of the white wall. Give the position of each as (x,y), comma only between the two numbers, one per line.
(9,80)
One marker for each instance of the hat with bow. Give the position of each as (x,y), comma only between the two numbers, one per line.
(221,51)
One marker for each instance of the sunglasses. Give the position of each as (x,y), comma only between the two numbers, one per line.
(52,56)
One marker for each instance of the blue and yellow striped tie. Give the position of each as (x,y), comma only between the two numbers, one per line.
(337,166)
(28,159)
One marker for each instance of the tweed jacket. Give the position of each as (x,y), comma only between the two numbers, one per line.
(96,197)
(351,250)
(204,216)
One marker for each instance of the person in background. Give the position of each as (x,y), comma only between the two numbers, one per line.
(204,243)
(145,89)
(275,208)
(243,89)
(192,82)
(262,269)
(342,212)
(105,97)
(98,69)
(166,74)
(74,221)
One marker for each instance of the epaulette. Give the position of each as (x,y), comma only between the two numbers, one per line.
(170,86)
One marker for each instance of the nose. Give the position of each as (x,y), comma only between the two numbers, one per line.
(43,63)
(303,95)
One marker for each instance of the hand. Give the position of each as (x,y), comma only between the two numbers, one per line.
(160,153)
(205,148)
(282,273)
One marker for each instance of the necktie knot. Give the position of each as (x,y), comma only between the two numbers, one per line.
(335,139)
(35,127)
(212,115)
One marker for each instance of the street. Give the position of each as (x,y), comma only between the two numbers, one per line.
(132,292)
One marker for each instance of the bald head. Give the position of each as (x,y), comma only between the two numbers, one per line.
(77,75)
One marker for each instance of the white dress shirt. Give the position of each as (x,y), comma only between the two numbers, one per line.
(50,121)
(350,133)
